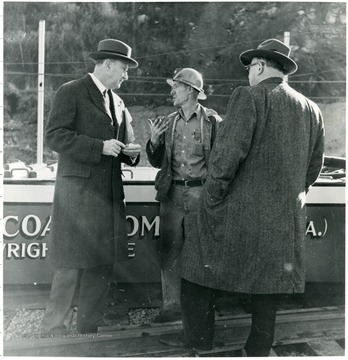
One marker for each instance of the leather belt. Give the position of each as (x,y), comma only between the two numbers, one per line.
(189,183)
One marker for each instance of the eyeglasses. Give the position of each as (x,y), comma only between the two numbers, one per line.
(247,67)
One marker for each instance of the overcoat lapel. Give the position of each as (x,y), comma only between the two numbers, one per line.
(96,95)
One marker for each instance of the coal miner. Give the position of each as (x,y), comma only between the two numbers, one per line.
(180,146)
(90,128)
(251,217)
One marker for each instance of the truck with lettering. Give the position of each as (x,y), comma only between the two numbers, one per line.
(28,196)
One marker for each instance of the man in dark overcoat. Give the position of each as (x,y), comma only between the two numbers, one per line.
(89,127)
(252,218)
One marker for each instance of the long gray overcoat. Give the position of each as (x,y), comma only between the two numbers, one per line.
(88,219)
(250,229)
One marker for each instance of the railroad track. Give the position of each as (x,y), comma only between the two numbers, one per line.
(312,332)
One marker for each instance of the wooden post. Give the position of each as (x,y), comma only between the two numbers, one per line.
(287,43)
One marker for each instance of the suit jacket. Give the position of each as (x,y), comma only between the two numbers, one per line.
(250,233)
(88,219)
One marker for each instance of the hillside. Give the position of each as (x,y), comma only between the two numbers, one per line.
(20,141)
(334,118)
(208,36)
(335,128)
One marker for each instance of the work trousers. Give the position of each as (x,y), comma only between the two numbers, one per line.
(91,285)
(198,303)
(182,200)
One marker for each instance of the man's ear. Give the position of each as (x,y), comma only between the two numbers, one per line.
(193,92)
(260,68)
(107,63)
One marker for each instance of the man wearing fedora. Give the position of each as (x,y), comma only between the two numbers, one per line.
(180,146)
(89,127)
(251,217)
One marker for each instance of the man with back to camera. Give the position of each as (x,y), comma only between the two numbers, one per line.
(89,127)
(180,146)
(251,218)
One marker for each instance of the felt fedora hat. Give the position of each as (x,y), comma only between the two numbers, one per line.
(271,49)
(190,77)
(114,49)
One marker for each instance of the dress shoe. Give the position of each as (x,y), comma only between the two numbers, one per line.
(240,353)
(91,330)
(85,328)
(174,340)
(178,341)
(168,316)
(58,331)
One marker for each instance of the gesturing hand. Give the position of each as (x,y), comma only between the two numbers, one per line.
(158,127)
(112,147)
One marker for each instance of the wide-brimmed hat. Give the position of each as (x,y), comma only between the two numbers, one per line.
(190,77)
(271,49)
(114,49)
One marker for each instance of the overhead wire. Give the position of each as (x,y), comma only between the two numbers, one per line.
(153,80)
(160,80)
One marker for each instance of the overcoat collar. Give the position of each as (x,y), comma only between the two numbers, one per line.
(274,80)
(96,95)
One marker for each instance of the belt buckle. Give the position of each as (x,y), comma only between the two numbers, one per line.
(186,183)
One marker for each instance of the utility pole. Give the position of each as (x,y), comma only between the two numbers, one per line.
(40,94)
(287,43)
(134,29)
(134,24)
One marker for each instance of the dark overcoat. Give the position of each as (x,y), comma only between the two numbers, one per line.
(251,220)
(88,219)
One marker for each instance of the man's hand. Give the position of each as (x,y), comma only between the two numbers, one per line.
(113,147)
(158,127)
(132,150)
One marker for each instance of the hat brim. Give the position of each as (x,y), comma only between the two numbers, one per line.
(201,95)
(111,55)
(289,65)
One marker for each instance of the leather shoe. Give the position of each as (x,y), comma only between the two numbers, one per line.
(58,331)
(174,340)
(241,353)
(168,316)
(178,340)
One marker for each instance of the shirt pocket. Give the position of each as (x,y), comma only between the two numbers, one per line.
(198,149)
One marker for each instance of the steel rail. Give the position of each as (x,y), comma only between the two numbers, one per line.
(318,328)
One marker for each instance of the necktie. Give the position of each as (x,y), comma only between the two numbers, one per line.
(112,108)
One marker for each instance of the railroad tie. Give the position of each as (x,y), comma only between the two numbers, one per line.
(326,348)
